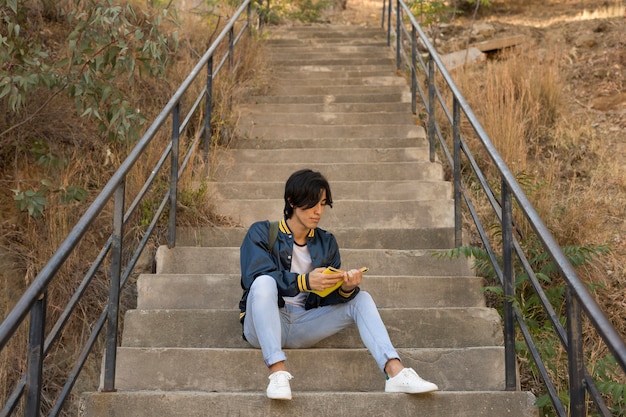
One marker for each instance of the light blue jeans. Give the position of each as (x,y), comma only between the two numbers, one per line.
(271,328)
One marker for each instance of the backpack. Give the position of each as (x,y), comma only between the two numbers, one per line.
(273,235)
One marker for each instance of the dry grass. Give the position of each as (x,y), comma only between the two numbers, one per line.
(571,177)
(27,243)
(576,184)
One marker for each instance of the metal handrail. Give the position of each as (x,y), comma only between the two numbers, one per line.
(32,304)
(578,299)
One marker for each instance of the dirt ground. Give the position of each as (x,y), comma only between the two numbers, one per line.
(595,68)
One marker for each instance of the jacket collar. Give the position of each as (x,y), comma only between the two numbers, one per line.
(282,226)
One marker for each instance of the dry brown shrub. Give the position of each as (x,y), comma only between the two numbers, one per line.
(565,169)
(28,243)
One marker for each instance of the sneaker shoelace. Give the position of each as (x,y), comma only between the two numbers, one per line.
(281,378)
(408,374)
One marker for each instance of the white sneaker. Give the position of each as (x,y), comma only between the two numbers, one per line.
(279,388)
(409,382)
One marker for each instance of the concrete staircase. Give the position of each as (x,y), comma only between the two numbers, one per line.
(336,105)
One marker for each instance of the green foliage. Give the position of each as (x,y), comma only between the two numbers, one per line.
(73,193)
(36,200)
(45,157)
(606,376)
(33,201)
(110,42)
(528,303)
(110,47)
(482,2)
(542,265)
(307,11)
(434,13)
(24,65)
(431,11)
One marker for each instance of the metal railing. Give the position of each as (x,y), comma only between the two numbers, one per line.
(31,307)
(402,25)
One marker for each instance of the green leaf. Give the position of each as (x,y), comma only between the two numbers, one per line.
(73,193)
(32,201)
(12,5)
(47,183)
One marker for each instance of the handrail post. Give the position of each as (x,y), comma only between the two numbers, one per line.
(114,288)
(35,356)
(231,47)
(382,20)
(431,107)
(456,140)
(248,13)
(509,288)
(209,109)
(389,7)
(260,5)
(398,33)
(413,72)
(267,13)
(575,356)
(171,240)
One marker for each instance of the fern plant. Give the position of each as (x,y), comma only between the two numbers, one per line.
(529,305)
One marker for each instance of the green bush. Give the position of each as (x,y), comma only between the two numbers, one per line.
(544,336)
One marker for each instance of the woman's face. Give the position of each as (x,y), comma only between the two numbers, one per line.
(308,218)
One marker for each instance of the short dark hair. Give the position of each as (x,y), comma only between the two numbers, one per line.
(304,190)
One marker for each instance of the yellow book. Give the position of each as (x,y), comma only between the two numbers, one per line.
(331,270)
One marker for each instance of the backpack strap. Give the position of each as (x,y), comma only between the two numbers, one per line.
(273,235)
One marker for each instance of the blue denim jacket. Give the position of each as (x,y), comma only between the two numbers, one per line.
(256,259)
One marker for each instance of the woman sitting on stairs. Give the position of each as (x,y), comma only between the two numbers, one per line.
(280,307)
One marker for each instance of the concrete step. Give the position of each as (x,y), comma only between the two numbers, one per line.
(223,291)
(316,34)
(341,62)
(326,118)
(341,190)
(296,40)
(310,131)
(284,109)
(377,40)
(347,237)
(309,404)
(276,44)
(200,260)
(311,144)
(305,74)
(321,155)
(296,37)
(334,90)
(407,327)
(307,67)
(389,214)
(334,170)
(182,352)
(351,98)
(337,49)
(241,370)
(356,80)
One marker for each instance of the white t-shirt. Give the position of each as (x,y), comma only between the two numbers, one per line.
(300,264)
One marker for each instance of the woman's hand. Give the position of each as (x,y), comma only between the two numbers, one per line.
(351,280)
(319,281)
